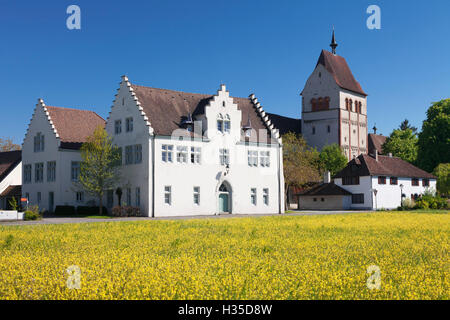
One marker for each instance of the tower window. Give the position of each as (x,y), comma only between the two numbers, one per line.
(313,130)
(328,129)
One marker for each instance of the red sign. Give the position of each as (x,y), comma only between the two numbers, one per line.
(23,199)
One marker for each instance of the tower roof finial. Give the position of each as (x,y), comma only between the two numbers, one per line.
(333,44)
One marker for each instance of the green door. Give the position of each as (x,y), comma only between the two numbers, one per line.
(223,202)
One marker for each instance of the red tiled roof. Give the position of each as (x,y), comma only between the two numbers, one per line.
(375,142)
(12,191)
(326,189)
(386,166)
(73,125)
(340,71)
(285,124)
(8,161)
(166,108)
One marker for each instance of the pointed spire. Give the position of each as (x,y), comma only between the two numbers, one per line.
(333,44)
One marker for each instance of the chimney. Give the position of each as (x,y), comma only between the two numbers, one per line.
(327,177)
(376,155)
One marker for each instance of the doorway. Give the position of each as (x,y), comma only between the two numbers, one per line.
(224,198)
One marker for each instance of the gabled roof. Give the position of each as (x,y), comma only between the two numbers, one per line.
(165,109)
(326,189)
(285,124)
(8,161)
(73,126)
(366,165)
(375,142)
(340,71)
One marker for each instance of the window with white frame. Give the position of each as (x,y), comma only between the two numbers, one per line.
(197,195)
(253,196)
(80,197)
(227,124)
(118,126)
(129,124)
(128,154)
(167,153)
(39,142)
(264,158)
(266,196)
(39,172)
(138,153)
(27,173)
(168,195)
(224,156)
(138,197)
(75,170)
(128,197)
(51,171)
(182,154)
(196,155)
(253,158)
(220,123)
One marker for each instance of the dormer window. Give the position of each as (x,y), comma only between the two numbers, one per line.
(223,123)
(39,142)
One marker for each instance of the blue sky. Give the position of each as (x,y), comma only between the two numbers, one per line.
(264,47)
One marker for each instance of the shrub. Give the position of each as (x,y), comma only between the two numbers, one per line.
(408,203)
(90,210)
(30,215)
(429,201)
(127,211)
(65,210)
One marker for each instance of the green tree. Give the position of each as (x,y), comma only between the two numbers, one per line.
(300,163)
(8,145)
(402,144)
(99,170)
(332,159)
(405,125)
(442,172)
(434,140)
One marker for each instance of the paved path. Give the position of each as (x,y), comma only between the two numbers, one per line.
(222,216)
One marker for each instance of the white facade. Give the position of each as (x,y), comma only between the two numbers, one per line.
(388,196)
(178,187)
(47,193)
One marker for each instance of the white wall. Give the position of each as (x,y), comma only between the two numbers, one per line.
(10,215)
(388,196)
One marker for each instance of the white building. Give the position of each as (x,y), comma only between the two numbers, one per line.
(382,181)
(51,155)
(195,154)
(10,177)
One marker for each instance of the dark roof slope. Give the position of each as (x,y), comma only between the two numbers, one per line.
(166,108)
(8,161)
(326,189)
(285,124)
(12,191)
(375,142)
(73,125)
(340,71)
(366,165)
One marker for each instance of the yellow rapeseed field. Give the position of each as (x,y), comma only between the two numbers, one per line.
(276,257)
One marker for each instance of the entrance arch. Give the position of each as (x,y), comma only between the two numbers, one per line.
(224,198)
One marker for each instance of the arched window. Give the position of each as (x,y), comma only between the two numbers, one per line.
(223,188)
(327,103)
(313,104)
(350,105)
(360,107)
(346,103)
(320,104)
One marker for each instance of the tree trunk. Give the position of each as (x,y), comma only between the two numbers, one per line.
(286,202)
(100,208)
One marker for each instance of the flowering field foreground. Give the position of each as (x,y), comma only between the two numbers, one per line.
(278,257)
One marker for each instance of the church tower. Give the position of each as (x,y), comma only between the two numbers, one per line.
(334,106)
